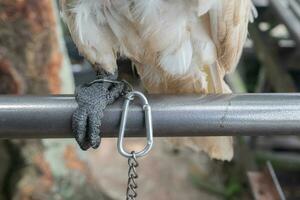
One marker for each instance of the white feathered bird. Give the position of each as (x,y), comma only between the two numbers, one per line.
(177,46)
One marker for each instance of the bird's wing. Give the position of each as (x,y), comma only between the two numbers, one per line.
(229,28)
(90,32)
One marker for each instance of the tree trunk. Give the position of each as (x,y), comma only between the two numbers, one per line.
(32,61)
(30,56)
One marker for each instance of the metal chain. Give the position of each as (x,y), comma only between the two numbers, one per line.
(131,193)
(132,186)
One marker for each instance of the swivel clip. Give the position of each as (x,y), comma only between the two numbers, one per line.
(148,123)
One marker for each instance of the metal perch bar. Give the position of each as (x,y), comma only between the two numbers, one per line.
(212,115)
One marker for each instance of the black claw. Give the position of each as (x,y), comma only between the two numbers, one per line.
(79,123)
(84,145)
(94,129)
(96,143)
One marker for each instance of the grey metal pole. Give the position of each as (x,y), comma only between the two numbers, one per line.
(213,115)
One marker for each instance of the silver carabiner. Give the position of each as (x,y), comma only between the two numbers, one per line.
(148,121)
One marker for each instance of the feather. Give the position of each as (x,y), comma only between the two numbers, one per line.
(178,61)
(146,10)
(229,28)
(178,46)
(204,6)
(90,32)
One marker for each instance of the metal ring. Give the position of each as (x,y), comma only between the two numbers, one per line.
(148,122)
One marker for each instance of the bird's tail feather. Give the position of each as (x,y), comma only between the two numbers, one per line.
(198,81)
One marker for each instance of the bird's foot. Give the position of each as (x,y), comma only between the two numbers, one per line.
(92,99)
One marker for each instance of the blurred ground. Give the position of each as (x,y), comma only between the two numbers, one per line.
(163,174)
(66,172)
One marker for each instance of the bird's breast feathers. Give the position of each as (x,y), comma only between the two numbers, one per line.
(177,36)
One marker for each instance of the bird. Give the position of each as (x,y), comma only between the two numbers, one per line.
(177,46)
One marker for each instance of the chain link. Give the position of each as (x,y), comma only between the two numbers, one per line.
(132,186)
(131,193)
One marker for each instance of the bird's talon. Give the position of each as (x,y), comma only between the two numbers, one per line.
(92,99)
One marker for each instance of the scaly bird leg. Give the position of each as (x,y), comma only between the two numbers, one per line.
(92,99)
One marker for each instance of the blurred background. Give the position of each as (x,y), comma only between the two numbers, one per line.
(38,57)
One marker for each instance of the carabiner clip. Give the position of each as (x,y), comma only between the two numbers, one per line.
(148,121)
